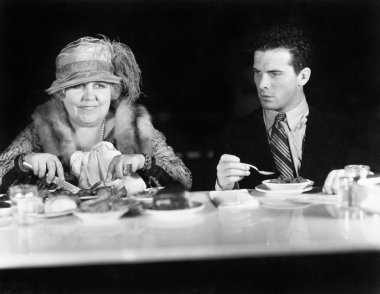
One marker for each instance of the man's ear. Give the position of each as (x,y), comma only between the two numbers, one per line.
(304,76)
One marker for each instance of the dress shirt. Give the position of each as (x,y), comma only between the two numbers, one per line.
(295,129)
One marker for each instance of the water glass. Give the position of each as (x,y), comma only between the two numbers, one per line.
(356,171)
(25,203)
(348,190)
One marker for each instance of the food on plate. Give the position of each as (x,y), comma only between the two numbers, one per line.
(146,194)
(170,198)
(60,203)
(84,192)
(282,180)
(100,190)
(104,191)
(170,201)
(103,204)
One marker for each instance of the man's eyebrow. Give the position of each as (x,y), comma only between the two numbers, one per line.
(270,71)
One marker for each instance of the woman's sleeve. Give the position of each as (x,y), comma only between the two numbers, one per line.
(166,166)
(24,143)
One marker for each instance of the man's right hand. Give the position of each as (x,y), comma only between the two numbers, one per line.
(45,164)
(230,170)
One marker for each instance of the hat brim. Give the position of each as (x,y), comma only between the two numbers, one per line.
(80,78)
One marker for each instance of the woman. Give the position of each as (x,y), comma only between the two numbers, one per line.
(91,126)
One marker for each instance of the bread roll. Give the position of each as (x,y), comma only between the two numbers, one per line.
(59,204)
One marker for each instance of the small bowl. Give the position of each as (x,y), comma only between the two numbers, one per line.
(287,186)
(100,218)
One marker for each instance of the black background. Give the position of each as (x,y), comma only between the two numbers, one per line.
(195,59)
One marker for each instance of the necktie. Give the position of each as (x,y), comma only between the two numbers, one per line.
(280,148)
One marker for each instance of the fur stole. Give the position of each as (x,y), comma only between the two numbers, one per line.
(133,130)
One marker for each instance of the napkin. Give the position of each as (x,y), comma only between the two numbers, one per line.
(91,167)
(234,198)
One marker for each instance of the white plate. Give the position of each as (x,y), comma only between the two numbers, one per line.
(316,199)
(263,188)
(54,214)
(5,211)
(196,206)
(370,205)
(100,218)
(281,204)
(287,186)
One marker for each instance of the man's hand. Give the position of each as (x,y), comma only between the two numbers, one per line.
(230,170)
(331,185)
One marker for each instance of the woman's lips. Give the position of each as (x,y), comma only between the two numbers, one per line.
(88,108)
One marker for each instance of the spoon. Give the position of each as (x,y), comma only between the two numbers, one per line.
(266,173)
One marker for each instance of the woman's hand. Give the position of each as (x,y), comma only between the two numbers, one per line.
(115,168)
(45,164)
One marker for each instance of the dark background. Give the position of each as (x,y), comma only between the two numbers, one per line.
(195,59)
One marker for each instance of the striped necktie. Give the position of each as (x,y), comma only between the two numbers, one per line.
(280,148)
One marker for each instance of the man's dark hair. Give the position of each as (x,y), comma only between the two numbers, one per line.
(288,37)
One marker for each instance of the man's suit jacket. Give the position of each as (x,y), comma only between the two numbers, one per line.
(325,148)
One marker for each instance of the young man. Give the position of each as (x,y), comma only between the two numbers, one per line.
(286,135)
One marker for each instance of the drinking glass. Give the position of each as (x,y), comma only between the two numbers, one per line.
(348,190)
(25,203)
(356,171)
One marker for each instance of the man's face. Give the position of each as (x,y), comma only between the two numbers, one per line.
(276,81)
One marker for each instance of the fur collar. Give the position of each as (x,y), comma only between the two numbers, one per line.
(133,130)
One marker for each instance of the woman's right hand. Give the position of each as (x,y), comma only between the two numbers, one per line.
(45,164)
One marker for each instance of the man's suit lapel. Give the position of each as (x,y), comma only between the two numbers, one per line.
(255,149)
(258,149)
(317,146)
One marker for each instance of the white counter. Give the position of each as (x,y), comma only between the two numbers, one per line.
(210,233)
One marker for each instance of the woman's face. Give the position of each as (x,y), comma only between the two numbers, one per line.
(88,104)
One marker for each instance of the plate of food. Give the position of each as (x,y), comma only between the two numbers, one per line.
(185,211)
(285,186)
(146,195)
(172,201)
(264,189)
(100,218)
(99,189)
(104,209)
(56,206)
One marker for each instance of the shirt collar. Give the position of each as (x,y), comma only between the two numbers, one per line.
(295,117)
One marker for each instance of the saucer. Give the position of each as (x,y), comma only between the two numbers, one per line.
(281,204)
(265,189)
(100,218)
(183,212)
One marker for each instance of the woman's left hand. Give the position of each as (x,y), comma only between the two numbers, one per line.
(120,162)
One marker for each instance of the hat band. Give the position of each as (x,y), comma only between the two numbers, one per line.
(86,65)
(82,77)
